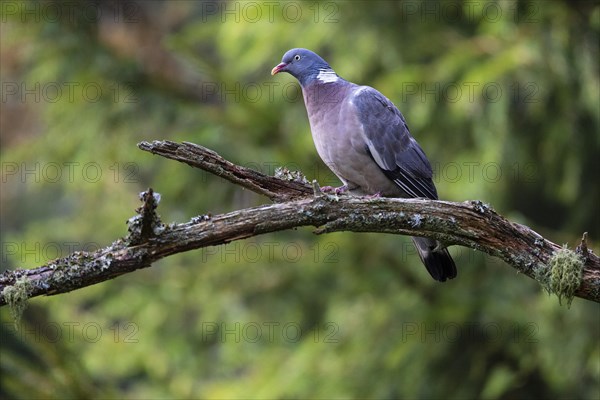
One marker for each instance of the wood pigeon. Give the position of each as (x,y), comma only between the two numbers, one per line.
(363,138)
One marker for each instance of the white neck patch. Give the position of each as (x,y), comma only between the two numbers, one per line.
(327,76)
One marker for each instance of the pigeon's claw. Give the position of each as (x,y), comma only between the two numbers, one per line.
(335,190)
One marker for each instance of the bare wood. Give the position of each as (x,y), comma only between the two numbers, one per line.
(471,224)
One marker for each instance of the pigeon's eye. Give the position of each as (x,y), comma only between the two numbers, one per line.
(297,57)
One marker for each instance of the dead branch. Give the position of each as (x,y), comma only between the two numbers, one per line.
(298,203)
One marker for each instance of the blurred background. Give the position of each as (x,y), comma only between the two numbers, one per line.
(502,95)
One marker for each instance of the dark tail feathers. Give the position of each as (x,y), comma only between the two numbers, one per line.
(439,264)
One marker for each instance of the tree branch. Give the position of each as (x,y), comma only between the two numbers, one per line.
(471,224)
(290,186)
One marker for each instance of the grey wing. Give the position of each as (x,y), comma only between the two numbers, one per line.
(390,144)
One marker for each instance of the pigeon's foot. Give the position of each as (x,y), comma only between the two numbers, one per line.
(440,247)
(374,196)
(335,190)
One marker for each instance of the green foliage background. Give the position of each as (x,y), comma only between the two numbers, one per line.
(502,95)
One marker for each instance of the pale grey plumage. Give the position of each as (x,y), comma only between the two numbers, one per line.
(364,139)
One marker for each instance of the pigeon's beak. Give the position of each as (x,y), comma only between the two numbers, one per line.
(278,68)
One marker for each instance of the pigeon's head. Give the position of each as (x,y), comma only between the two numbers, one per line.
(302,64)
